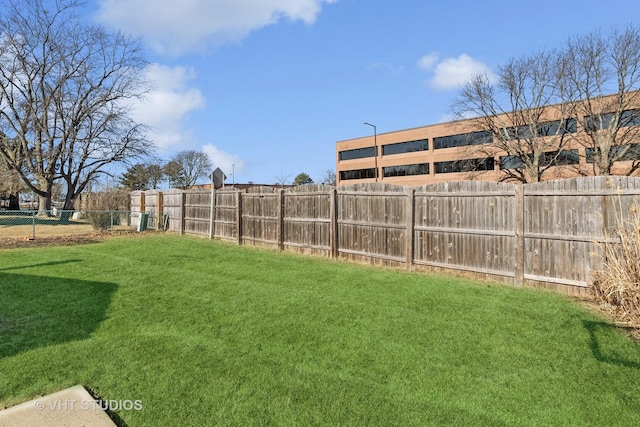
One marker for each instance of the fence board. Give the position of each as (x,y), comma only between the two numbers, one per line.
(466,225)
(260,215)
(372,222)
(569,221)
(152,207)
(197,212)
(173,207)
(226,223)
(307,219)
(137,203)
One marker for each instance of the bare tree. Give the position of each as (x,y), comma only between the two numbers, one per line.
(602,73)
(283,179)
(329,177)
(66,89)
(187,167)
(520,116)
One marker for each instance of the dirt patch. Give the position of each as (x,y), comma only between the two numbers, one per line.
(54,241)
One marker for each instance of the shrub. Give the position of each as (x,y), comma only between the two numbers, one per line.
(116,199)
(101,220)
(101,206)
(617,282)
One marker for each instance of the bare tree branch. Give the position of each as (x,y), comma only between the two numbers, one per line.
(528,131)
(66,89)
(603,79)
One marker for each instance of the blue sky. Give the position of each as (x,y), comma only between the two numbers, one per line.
(271,85)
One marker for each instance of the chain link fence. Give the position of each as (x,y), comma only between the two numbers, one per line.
(31,224)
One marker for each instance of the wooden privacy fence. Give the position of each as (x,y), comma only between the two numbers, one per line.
(547,234)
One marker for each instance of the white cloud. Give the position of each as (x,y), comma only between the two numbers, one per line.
(182,26)
(428,61)
(228,163)
(387,66)
(452,73)
(168,105)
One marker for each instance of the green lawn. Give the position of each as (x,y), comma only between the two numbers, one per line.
(208,333)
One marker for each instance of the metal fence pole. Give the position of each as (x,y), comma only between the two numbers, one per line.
(33,222)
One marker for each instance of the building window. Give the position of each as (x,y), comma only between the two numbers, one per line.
(551,158)
(511,162)
(603,121)
(560,158)
(357,153)
(406,170)
(553,128)
(466,165)
(357,174)
(405,147)
(474,138)
(619,153)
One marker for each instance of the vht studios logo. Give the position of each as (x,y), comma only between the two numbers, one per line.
(89,405)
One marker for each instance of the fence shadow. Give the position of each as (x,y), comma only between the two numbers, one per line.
(40,311)
(40,264)
(599,332)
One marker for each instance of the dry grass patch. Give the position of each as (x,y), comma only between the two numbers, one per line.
(616,285)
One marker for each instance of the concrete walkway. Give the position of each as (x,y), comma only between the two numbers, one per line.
(73,407)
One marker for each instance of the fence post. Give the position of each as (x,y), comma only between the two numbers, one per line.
(212,217)
(142,202)
(409,234)
(239,216)
(280,226)
(183,210)
(160,210)
(519,235)
(33,222)
(333,201)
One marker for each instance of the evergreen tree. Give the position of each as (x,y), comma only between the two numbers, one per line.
(302,179)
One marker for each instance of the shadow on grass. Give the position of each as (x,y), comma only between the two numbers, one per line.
(40,264)
(39,311)
(601,334)
(113,415)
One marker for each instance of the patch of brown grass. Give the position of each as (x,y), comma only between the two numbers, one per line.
(62,240)
(616,284)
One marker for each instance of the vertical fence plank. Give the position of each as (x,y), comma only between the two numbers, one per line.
(160,209)
(183,213)
(239,216)
(409,235)
(212,219)
(519,236)
(280,219)
(333,203)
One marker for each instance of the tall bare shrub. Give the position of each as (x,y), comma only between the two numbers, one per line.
(101,207)
(618,281)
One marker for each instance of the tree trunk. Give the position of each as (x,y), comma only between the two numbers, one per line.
(67,208)
(44,206)
(69,202)
(44,200)
(14,201)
